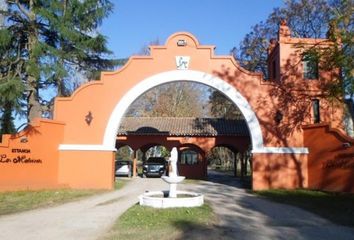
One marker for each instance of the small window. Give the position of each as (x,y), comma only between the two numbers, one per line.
(316,110)
(310,65)
(189,157)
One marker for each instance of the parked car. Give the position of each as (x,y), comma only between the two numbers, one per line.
(155,166)
(124,168)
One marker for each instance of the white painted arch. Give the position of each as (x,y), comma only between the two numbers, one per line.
(183,75)
(109,139)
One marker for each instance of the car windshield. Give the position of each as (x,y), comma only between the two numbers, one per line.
(121,163)
(159,160)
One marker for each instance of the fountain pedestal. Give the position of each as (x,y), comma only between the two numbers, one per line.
(157,200)
(173,181)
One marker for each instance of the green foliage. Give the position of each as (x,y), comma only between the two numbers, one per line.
(12,202)
(149,223)
(46,44)
(119,184)
(7,125)
(124,153)
(340,54)
(5,39)
(9,102)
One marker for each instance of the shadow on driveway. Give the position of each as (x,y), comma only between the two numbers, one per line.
(241,215)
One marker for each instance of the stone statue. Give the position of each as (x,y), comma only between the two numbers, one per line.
(173,162)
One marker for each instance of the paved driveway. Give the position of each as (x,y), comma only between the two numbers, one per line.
(244,216)
(81,220)
(240,216)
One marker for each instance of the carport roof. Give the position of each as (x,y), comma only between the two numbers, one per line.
(182,126)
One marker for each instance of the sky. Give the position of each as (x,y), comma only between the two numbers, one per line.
(223,23)
(134,24)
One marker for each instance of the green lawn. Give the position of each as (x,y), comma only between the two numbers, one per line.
(119,183)
(149,223)
(18,201)
(12,202)
(336,207)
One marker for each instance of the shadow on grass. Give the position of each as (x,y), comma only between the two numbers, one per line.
(191,230)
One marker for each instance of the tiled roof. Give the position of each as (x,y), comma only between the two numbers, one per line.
(182,126)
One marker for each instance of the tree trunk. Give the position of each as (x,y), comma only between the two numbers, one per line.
(34,106)
(235,164)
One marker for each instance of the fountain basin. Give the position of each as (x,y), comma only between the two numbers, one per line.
(173,180)
(156,199)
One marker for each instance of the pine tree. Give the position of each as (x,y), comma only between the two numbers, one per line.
(7,125)
(51,41)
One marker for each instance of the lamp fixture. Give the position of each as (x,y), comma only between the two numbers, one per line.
(181,43)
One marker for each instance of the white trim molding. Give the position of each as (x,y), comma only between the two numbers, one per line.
(85,147)
(282,150)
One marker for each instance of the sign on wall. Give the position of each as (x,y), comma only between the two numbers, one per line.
(21,157)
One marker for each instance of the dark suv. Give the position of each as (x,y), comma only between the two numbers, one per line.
(155,166)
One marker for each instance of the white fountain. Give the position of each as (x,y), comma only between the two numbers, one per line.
(174,198)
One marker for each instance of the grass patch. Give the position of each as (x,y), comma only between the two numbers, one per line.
(119,183)
(191,181)
(336,207)
(18,201)
(141,222)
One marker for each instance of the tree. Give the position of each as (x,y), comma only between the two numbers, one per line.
(6,121)
(222,107)
(45,43)
(306,18)
(124,153)
(340,54)
(181,99)
(11,85)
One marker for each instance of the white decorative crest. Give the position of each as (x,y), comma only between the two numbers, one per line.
(182,62)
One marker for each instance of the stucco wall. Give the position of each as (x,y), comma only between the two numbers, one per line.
(29,159)
(331,158)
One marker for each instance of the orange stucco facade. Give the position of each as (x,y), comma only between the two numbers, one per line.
(77,147)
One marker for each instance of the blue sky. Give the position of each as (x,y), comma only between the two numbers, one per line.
(223,23)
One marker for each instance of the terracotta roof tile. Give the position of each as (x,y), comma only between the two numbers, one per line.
(182,126)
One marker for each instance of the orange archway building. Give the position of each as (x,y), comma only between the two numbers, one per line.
(199,135)
(296,136)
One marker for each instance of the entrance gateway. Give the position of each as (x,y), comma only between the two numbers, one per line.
(76,149)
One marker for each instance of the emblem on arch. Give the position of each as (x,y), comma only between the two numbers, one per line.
(182,62)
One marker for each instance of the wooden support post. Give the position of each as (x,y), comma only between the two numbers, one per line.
(205,161)
(235,164)
(134,163)
(242,166)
